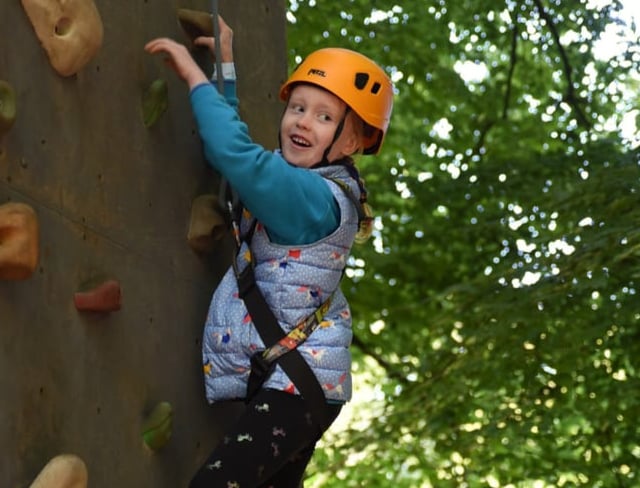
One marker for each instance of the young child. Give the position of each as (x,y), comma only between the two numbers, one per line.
(302,214)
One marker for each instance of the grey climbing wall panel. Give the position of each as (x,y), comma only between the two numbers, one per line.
(113,202)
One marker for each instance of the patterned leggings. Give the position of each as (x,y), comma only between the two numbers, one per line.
(269,446)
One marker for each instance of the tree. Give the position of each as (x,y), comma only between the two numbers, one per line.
(496,307)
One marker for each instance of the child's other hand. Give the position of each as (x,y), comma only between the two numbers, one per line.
(179,59)
(226,42)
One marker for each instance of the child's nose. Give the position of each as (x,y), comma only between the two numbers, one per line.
(304,120)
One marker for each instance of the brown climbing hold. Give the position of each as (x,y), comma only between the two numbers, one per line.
(63,471)
(70,31)
(106,297)
(207,225)
(7,107)
(195,23)
(19,246)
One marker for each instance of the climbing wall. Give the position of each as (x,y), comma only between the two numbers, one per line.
(102,296)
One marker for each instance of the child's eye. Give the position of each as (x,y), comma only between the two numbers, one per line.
(297,108)
(325,117)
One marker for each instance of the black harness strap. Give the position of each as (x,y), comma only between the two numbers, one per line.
(356,202)
(293,364)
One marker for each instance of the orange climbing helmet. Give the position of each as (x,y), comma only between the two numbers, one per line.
(356,80)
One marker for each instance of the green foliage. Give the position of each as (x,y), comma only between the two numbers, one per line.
(499,296)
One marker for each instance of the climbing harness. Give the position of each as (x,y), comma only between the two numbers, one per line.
(281,348)
(290,360)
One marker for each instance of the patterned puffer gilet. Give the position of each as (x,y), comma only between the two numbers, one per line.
(294,280)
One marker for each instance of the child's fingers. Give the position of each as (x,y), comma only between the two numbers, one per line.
(223,25)
(204,41)
(161,44)
(155,46)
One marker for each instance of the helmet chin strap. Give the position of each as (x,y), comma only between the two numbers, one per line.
(325,161)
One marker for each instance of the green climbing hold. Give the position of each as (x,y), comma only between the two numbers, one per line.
(7,107)
(156,429)
(155,102)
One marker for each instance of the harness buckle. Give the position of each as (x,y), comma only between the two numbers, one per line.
(261,369)
(260,366)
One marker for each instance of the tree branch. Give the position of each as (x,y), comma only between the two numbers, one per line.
(512,68)
(392,372)
(570,95)
(507,95)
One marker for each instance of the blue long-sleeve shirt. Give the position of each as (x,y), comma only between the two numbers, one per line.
(295,205)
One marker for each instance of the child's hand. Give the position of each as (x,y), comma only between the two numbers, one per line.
(179,59)
(226,42)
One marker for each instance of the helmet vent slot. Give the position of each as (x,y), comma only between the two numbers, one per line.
(361,80)
(376,88)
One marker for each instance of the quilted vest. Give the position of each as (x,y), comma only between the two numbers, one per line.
(294,280)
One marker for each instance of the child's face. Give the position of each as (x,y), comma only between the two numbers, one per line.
(309,124)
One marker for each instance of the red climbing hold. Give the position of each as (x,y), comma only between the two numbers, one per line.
(106,297)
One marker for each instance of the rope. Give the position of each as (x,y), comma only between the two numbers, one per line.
(224,187)
(216,35)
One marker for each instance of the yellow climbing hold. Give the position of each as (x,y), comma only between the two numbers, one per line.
(207,225)
(70,31)
(63,471)
(7,107)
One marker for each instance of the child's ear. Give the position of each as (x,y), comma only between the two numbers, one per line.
(351,146)
(356,139)
(353,143)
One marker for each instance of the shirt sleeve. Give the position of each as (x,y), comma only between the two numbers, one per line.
(295,205)
(229,83)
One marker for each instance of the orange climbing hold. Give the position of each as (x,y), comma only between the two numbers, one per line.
(70,31)
(19,246)
(63,471)
(106,297)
